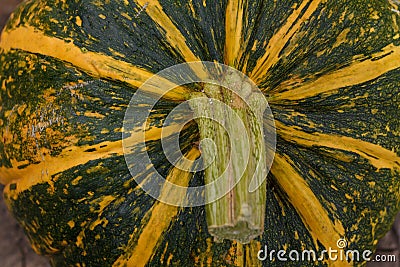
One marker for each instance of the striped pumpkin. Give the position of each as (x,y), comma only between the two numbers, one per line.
(329,69)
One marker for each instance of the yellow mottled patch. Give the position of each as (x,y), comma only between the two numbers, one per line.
(163,254)
(341,38)
(359,177)
(78,21)
(106,200)
(125,15)
(375,15)
(296,235)
(79,241)
(207,255)
(102,16)
(21,64)
(3,85)
(94,115)
(52,20)
(169,259)
(116,53)
(103,222)
(71,224)
(76,180)
(98,169)
(255,45)
(374,111)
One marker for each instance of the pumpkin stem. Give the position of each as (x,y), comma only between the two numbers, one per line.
(232,144)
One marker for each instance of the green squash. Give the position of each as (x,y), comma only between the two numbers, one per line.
(330,71)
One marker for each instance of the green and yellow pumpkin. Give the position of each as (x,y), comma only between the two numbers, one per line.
(330,71)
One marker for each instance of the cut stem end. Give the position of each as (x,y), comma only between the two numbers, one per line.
(235,160)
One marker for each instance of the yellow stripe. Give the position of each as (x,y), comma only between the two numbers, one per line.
(251,254)
(303,199)
(93,63)
(281,37)
(356,73)
(161,217)
(233,29)
(240,254)
(70,157)
(172,33)
(378,156)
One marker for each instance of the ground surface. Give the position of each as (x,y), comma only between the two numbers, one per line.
(16,252)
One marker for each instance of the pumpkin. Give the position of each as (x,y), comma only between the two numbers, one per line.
(330,71)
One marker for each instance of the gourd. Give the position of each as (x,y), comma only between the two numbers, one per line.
(330,71)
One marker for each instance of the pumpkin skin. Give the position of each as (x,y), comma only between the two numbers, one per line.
(330,70)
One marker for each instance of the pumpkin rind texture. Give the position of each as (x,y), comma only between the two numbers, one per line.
(68,69)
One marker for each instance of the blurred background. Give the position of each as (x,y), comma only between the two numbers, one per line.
(15,250)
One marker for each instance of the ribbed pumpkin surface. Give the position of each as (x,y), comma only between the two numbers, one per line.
(68,69)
